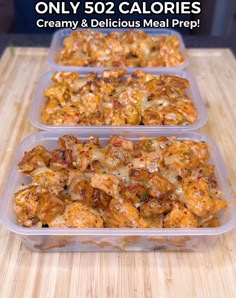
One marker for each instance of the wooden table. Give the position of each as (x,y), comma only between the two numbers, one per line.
(156,274)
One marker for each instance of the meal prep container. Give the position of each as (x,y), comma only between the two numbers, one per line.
(59,36)
(115,239)
(46,82)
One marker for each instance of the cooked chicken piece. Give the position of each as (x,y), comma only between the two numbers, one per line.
(59,92)
(152,222)
(88,104)
(60,160)
(133,193)
(82,157)
(114,45)
(171,175)
(133,96)
(200,149)
(50,111)
(210,222)
(180,217)
(158,185)
(77,215)
(49,207)
(137,189)
(36,158)
(113,73)
(142,50)
(149,162)
(131,114)
(34,205)
(159,102)
(68,78)
(121,215)
(107,87)
(94,142)
(55,115)
(73,173)
(81,190)
(140,175)
(163,142)
(85,154)
(198,199)
(142,76)
(91,87)
(69,41)
(204,170)
(189,148)
(185,155)
(161,88)
(70,115)
(114,157)
(64,196)
(110,184)
(156,60)
(117,152)
(101,200)
(112,115)
(83,81)
(188,110)
(53,181)
(150,145)
(121,142)
(174,82)
(154,207)
(25,204)
(67,142)
(207,173)
(151,116)
(96,49)
(169,51)
(58,222)
(171,116)
(153,85)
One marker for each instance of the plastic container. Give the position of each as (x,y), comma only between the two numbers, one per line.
(46,82)
(114,239)
(57,44)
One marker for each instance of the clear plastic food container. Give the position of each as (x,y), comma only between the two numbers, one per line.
(115,239)
(193,91)
(59,36)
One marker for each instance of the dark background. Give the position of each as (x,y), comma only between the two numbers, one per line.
(218,18)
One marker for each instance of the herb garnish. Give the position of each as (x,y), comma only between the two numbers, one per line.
(143,196)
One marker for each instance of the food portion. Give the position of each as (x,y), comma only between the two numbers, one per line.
(150,183)
(116,99)
(120,49)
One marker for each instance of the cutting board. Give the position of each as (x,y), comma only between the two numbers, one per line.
(155,274)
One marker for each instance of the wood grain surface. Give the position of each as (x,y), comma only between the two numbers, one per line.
(156,274)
